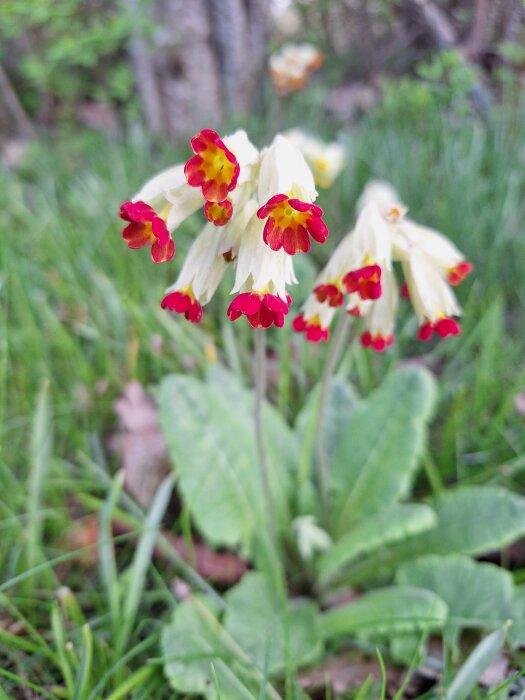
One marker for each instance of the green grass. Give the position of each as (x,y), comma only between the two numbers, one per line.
(80,319)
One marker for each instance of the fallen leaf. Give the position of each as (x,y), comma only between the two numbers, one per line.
(519,403)
(83,534)
(220,568)
(140,443)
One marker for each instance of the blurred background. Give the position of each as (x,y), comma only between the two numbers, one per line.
(179,65)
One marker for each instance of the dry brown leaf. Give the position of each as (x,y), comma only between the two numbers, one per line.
(519,403)
(83,534)
(141,444)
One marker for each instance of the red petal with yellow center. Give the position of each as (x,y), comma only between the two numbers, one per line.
(366,282)
(443,327)
(183,303)
(138,235)
(214,168)
(146,229)
(329,293)
(261,310)
(457,274)
(290,223)
(218,213)
(447,326)
(314,332)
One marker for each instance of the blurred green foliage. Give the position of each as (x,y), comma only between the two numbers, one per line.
(70,50)
(442,82)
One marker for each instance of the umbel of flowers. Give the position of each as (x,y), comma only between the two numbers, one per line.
(360,275)
(260,211)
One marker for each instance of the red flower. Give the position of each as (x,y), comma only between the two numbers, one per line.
(218,213)
(377,342)
(330,293)
(213,167)
(146,228)
(443,327)
(183,302)
(457,274)
(366,282)
(290,222)
(311,328)
(261,310)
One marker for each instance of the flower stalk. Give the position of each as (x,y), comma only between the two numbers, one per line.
(260,381)
(332,360)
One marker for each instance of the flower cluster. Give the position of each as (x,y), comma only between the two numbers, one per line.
(260,211)
(360,273)
(291,67)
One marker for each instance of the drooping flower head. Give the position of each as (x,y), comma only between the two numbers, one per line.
(145,228)
(213,168)
(260,211)
(362,266)
(287,191)
(291,67)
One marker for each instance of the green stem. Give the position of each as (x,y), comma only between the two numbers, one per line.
(260,378)
(323,465)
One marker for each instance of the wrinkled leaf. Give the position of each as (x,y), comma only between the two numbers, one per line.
(373,532)
(340,407)
(282,444)
(470,520)
(268,629)
(196,649)
(478,595)
(375,461)
(386,611)
(212,444)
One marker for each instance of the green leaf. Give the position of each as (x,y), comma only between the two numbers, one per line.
(473,668)
(375,461)
(478,595)
(517,631)
(386,611)
(211,441)
(397,522)
(340,407)
(471,520)
(196,648)
(282,444)
(269,629)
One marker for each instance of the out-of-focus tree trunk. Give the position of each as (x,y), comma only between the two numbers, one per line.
(14,108)
(145,73)
(205,62)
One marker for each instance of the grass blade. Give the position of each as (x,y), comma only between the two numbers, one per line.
(471,671)
(41,448)
(142,559)
(108,567)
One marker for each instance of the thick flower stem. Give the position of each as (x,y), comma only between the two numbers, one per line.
(260,377)
(323,465)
